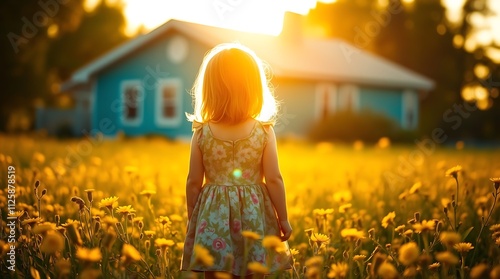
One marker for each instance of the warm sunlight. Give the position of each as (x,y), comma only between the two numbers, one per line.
(259,16)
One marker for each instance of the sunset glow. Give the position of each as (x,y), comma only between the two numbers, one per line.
(259,16)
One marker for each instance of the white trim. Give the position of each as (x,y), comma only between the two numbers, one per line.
(348,95)
(409,102)
(161,120)
(140,102)
(320,91)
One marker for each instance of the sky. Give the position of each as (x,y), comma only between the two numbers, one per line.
(262,16)
(266,16)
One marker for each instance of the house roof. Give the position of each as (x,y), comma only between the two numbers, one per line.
(288,54)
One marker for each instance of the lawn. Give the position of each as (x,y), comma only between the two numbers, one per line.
(117,209)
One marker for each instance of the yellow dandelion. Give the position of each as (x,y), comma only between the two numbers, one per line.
(16,214)
(445,202)
(176,218)
(136,220)
(31,221)
(388,219)
(322,212)
(271,242)
(250,235)
(149,233)
(450,238)
(387,271)
(352,234)
(52,242)
(496,182)
(110,203)
(44,228)
(453,172)
(164,220)
(130,169)
(345,207)
(147,193)
(447,257)
(480,271)
(314,261)
(88,255)
(309,232)
(258,268)
(342,196)
(400,229)
(202,256)
(294,252)
(408,233)
(463,247)
(495,228)
(434,266)
(338,270)
(164,243)
(359,258)
(320,238)
(415,188)
(408,253)
(125,210)
(223,275)
(424,226)
(130,254)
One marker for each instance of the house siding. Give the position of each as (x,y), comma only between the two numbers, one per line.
(146,65)
(384,101)
(297,110)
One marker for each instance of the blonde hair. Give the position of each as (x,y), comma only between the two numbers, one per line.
(231,87)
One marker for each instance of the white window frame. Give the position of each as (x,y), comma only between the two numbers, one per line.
(321,90)
(140,102)
(344,92)
(409,101)
(160,120)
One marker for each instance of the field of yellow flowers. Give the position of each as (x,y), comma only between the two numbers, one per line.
(115,209)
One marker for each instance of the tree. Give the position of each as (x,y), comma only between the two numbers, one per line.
(419,36)
(44,42)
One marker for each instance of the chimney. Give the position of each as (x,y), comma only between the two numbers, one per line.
(291,32)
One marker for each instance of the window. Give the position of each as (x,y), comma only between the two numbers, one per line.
(132,96)
(326,100)
(410,106)
(348,97)
(168,102)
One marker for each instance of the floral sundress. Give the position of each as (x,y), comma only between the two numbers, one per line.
(233,199)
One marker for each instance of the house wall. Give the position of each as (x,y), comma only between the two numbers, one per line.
(384,101)
(145,66)
(399,105)
(297,106)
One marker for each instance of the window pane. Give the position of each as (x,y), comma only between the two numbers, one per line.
(169,104)
(131,95)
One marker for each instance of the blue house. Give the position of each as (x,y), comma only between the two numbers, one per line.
(142,87)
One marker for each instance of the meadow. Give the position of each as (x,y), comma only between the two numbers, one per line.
(116,209)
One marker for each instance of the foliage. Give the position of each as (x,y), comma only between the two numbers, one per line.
(117,209)
(349,126)
(50,39)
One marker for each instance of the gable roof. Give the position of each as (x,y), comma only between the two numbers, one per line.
(289,56)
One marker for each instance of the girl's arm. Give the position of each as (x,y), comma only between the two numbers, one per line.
(275,183)
(195,175)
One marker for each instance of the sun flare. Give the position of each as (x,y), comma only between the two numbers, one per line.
(258,16)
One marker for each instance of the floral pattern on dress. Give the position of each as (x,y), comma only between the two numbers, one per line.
(233,200)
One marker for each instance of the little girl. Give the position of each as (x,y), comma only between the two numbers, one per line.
(234,182)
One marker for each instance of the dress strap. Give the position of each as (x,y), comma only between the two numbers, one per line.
(196,125)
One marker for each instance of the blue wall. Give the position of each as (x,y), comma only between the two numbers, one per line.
(384,101)
(297,106)
(144,63)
